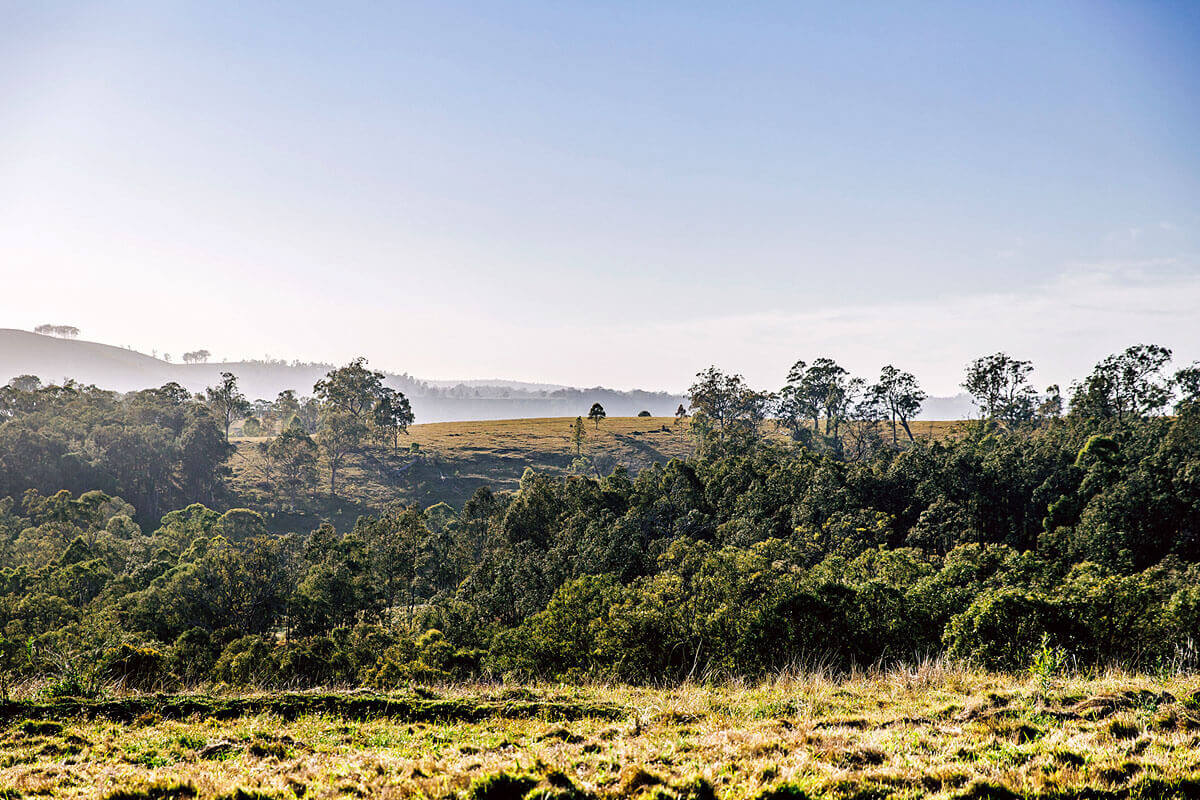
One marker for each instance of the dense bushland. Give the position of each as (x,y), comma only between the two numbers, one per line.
(158,449)
(1076,536)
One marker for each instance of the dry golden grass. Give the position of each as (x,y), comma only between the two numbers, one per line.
(929,731)
(632,441)
(454,459)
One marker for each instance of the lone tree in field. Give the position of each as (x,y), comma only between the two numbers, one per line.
(339,436)
(392,415)
(226,402)
(596,413)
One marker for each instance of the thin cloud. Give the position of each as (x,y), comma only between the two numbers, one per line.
(1063,325)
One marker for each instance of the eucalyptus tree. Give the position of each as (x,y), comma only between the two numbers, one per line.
(725,405)
(352,389)
(596,413)
(578,436)
(226,401)
(293,454)
(1001,388)
(813,391)
(340,435)
(1125,385)
(900,396)
(392,415)
(1187,381)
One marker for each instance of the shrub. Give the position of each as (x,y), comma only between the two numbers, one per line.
(1001,630)
(135,666)
(192,656)
(244,661)
(429,659)
(560,641)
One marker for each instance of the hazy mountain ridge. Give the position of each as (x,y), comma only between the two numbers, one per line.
(55,360)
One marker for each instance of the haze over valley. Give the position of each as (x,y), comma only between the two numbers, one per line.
(56,359)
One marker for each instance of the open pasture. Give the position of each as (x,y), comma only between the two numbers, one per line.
(929,732)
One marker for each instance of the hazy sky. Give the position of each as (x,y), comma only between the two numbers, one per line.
(615,193)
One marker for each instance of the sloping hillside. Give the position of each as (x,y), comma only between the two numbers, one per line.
(55,360)
(448,461)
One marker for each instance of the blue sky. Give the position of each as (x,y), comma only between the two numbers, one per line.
(616,193)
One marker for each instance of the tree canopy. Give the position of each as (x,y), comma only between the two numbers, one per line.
(1018,533)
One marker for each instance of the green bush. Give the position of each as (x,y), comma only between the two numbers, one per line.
(136,666)
(1002,629)
(245,661)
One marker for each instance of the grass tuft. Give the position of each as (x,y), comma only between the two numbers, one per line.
(501,786)
(156,791)
(41,727)
(987,790)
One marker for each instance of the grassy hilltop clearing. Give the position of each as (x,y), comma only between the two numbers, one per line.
(448,461)
(905,733)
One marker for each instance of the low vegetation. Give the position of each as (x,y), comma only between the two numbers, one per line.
(929,731)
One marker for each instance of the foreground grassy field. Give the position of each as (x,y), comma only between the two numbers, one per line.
(932,732)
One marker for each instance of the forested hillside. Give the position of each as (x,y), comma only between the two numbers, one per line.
(829,534)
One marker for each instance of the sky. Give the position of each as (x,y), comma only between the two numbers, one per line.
(615,193)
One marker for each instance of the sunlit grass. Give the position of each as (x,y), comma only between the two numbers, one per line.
(933,730)
(453,459)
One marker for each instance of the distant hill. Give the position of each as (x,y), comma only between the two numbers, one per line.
(960,406)
(54,360)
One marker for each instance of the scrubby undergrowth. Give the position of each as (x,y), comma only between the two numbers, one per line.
(932,731)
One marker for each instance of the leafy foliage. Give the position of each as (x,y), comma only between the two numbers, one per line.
(1045,541)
